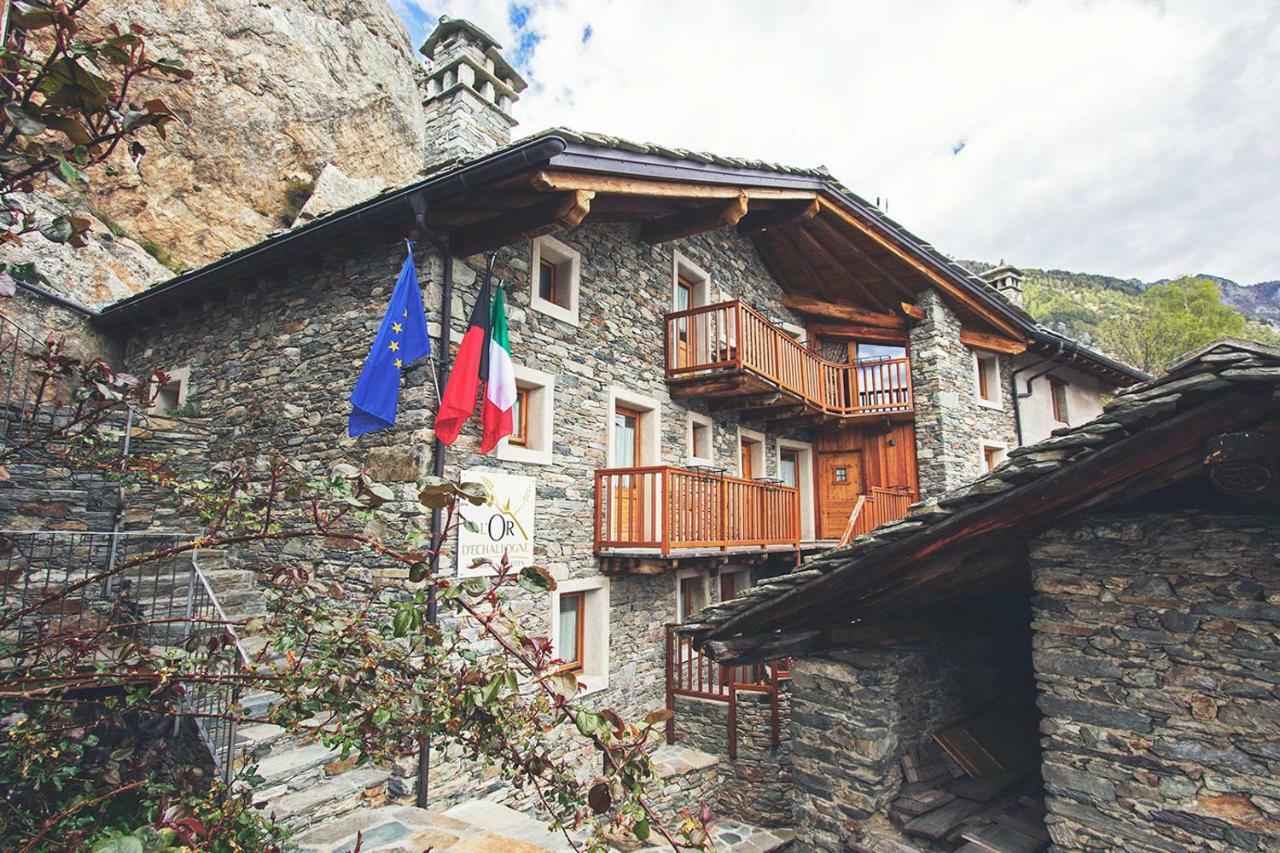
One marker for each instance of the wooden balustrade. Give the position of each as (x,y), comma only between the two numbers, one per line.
(691,673)
(733,336)
(882,505)
(667,508)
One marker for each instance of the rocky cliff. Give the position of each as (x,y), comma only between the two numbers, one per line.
(281,90)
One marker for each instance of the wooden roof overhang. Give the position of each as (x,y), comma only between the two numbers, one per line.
(926,573)
(827,248)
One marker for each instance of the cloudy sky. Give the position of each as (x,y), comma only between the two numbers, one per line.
(1138,139)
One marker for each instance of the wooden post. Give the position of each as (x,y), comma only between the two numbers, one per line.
(665,498)
(671,696)
(737,337)
(733,719)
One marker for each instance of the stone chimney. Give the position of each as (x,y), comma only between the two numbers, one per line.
(470,92)
(1007,280)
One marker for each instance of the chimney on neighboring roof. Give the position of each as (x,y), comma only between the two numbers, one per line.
(1007,280)
(471,89)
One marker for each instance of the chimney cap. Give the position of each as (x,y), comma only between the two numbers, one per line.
(1002,271)
(486,43)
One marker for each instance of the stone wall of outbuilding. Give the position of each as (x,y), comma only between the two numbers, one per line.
(1158,661)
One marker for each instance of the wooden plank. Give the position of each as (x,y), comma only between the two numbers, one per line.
(847,313)
(556,214)
(994,343)
(923,802)
(996,838)
(687,223)
(865,257)
(967,751)
(938,823)
(1026,820)
(783,214)
(985,789)
(914,312)
(558,181)
(850,331)
(847,536)
(816,248)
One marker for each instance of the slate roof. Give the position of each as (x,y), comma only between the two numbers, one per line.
(1226,365)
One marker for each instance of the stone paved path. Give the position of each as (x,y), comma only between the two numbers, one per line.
(476,826)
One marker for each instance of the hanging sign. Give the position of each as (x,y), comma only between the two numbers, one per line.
(502,524)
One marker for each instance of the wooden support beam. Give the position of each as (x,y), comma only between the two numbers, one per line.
(865,257)
(846,313)
(790,213)
(555,181)
(943,283)
(815,247)
(852,331)
(556,214)
(913,312)
(994,343)
(689,222)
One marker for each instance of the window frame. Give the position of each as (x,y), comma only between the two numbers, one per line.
(683,576)
(553,291)
(538,415)
(578,664)
(986,449)
(180,381)
(520,419)
(1059,408)
(756,444)
(692,456)
(988,379)
(568,264)
(595,627)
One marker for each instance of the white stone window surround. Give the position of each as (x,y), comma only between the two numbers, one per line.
(746,579)
(990,363)
(568,262)
(681,265)
(805,481)
(595,630)
(693,457)
(757,444)
(540,418)
(800,333)
(650,424)
(685,574)
(174,392)
(986,444)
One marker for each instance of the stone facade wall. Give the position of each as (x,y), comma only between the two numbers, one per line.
(852,715)
(755,787)
(272,362)
(1156,655)
(951,423)
(40,317)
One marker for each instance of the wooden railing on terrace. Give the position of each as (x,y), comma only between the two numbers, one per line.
(668,508)
(691,673)
(881,506)
(733,336)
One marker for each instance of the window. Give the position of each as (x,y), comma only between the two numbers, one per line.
(572,627)
(733,583)
(987,369)
(690,284)
(520,419)
(532,419)
(789,467)
(633,429)
(554,281)
(691,593)
(1058,397)
(992,455)
(580,629)
(173,394)
(701,439)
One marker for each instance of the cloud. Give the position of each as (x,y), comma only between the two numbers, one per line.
(1125,137)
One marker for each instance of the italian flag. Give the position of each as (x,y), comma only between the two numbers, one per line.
(458,400)
(500,389)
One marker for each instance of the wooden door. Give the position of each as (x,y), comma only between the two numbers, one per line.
(746,469)
(628,499)
(840,481)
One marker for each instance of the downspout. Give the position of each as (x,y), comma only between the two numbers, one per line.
(1017,395)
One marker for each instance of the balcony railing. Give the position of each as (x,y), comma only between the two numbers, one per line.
(665,508)
(879,506)
(732,336)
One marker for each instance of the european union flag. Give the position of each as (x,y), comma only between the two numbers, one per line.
(401,340)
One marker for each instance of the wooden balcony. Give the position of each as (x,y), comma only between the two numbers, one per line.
(731,351)
(879,506)
(664,510)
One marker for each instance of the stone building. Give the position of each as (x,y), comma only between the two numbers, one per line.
(1113,587)
(724,365)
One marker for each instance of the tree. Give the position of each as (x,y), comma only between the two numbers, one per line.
(87,700)
(1171,319)
(67,102)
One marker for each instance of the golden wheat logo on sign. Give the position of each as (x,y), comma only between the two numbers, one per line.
(502,524)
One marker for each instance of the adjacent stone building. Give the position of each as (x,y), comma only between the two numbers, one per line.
(1113,587)
(725,366)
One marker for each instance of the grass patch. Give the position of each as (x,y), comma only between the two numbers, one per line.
(297,191)
(162,254)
